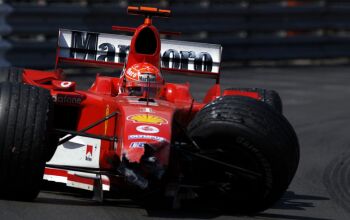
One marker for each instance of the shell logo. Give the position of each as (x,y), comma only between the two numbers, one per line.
(145,118)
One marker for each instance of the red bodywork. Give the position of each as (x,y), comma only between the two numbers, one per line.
(137,121)
(103,98)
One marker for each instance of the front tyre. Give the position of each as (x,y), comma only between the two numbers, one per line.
(25,121)
(247,133)
(270,97)
(11,74)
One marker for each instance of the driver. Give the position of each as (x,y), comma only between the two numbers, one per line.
(141,78)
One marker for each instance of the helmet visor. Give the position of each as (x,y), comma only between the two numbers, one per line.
(151,90)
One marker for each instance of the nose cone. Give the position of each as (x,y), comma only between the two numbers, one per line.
(146,126)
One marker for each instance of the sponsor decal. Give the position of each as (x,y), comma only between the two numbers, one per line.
(67,99)
(113,48)
(87,46)
(66,84)
(145,77)
(145,136)
(147,129)
(146,110)
(88,153)
(132,74)
(179,60)
(137,145)
(147,118)
(84,45)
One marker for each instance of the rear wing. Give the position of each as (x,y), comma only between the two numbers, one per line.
(111,50)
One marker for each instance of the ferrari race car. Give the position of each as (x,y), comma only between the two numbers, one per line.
(135,131)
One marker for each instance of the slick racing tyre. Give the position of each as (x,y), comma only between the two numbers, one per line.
(270,97)
(11,74)
(25,121)
(248,134)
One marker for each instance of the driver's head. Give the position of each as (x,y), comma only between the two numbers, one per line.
(142,78)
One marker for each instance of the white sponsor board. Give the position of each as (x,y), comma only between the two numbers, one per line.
(112,48)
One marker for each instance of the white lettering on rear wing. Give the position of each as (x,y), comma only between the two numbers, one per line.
(111,50)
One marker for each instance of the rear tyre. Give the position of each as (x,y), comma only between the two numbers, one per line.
(11,74)
(270,97)
(249,134)
(25,121)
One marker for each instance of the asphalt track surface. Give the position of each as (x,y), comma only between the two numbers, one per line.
(316,102)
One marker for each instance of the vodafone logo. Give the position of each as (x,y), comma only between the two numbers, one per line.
(147,129)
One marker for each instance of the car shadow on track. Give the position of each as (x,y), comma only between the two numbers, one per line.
(291,217)
(293,201)
(296,202)
(290,201)
(59,194)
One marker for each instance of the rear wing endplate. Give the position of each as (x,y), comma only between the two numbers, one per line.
(111,50)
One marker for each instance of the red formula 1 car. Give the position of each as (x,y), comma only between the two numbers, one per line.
(234,149)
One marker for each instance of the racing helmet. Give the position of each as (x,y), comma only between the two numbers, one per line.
(141,78)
